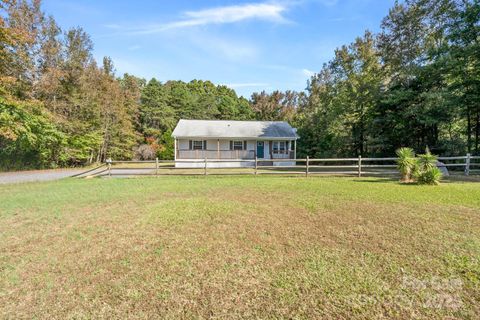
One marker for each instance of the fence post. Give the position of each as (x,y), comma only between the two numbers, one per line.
(306,167)
(109,164)
(256,165)
(205,173)
(359,166)
(156,166)
(467,164)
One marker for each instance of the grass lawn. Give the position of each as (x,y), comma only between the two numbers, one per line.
(239,247)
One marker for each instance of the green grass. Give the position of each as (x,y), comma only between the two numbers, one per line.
(239,247)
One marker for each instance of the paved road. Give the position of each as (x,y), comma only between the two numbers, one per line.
(37,175)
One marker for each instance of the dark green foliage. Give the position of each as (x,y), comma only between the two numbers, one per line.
(416,83)
(340,110)
(28,138)
(166,149)
(163,104)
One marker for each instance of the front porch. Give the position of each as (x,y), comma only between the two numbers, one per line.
(234,149)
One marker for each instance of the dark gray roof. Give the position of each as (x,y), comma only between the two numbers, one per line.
(234,129)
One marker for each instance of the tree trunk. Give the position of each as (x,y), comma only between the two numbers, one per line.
(91,157)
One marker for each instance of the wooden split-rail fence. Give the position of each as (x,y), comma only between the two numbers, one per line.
(357,166)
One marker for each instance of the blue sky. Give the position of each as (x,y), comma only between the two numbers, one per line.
(247,45)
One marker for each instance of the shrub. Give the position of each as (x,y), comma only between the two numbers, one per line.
(430,176)
(145,152)
(427,161)
(406,164)
(428,173)
(422,169)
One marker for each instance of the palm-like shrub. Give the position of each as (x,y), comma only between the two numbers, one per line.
(422,169)
(428,173)
(427,161)
(430,176)
(406,164)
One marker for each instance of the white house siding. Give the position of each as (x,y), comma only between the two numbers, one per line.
(201,164)
(212,147)
(182,144)
(212,144)
(252,145)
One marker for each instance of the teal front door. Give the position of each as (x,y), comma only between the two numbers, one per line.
(260,149)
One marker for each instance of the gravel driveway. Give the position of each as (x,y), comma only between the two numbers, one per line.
(37,175)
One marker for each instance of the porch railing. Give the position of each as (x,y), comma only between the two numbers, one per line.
(215,154)
(288,154)
(230,154)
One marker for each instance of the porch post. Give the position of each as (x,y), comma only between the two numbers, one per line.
(359,166)
(307,163)
(295,149)
(467,164)
(175,149)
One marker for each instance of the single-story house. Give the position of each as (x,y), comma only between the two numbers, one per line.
(233,140)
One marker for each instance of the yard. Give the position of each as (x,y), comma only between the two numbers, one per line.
(239,247)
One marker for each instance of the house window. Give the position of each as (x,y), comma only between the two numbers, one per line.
(198,145)
(279,147)
(237,145)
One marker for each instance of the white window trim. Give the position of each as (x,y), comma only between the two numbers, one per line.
(200,142)
(276,147)
(237,141)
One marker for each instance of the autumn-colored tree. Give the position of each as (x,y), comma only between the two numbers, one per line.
(275,106)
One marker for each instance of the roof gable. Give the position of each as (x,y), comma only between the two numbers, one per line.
(233,129)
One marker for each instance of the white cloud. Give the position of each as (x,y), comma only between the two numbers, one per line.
(220,15)
(308,73)
(134,47)
(229,14)
(231,49)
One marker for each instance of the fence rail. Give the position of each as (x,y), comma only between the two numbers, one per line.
(307,166)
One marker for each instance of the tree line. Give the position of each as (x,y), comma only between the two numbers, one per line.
(415,83)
